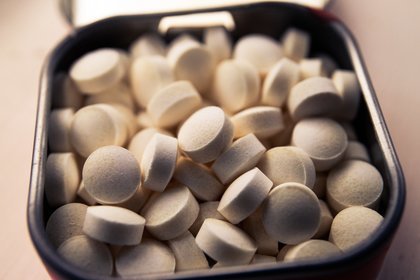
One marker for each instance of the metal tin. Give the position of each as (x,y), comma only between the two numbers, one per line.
(330,36)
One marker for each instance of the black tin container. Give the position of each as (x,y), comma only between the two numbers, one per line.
(329,35)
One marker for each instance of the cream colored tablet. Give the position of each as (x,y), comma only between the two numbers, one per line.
(326,220)
(64,93)
(320,185)
(288,164)
(65,222)
(113,225)
(192,61)
(311,67)
(263,121)
(62,178)
(324,140)
(219,43)
(150,256)
(83,194)
(240,157)
(148,44)
(244,195)
(173,104)
(291,213)
(159,161)
(188,255)
(96,126)
(315,249)
(356,150)
(170,213)
(279,81)
(354,225)
(111,175)
(205,134)
(118,94)
(253,225)
(136,202)
(207,210)
(296,44)
(329,64)
(199,179)
(354,183)
(261,259)
(98,70)
(236,85)
(225,242)
(59,123)
(316,96)
(144,120)
(259,50)
(147,76)
(87,254)
(139,141)
(348,86)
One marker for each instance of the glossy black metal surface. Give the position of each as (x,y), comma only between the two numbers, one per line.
(329,36)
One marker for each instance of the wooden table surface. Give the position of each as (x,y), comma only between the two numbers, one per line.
(387,31)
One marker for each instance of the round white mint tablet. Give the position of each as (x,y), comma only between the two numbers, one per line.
(291,213)
(98,70)
(354,183)
(87,254)
(205,134)
(244,195)
(150,256)
(324,140)
(225,242)
(288,164)
(354,225)
(159,161)
(65,222)
(111,175)
(312,97)
(170,213)
(259,50)
(113,225)
(62,178)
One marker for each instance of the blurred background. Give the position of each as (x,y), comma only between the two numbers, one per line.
(387,32)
